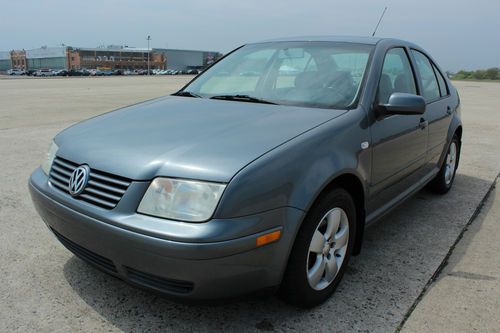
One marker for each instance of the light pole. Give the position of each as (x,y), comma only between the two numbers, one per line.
(149,38)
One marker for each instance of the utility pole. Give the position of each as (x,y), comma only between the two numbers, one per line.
(149,38)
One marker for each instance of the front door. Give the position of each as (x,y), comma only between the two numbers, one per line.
(399,141)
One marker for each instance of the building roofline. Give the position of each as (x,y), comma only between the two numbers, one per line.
(184,50)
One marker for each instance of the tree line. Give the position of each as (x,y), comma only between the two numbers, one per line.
(480,74)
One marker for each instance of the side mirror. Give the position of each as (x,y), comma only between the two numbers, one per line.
(403,103)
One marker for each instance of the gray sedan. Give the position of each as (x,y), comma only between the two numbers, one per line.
(260,174)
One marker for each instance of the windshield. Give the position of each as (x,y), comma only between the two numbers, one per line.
(311,74)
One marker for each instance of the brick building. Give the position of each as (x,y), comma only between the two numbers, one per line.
(115,58)
(18,59)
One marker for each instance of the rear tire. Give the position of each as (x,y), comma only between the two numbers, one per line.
(321,250)
(442,183)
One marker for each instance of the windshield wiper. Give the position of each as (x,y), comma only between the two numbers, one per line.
(242,98)
(185,93)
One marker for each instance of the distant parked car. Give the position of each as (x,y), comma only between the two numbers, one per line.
(74,72)
(44,72)
(16,71)
(145,72)
(104,72)
(61,72)
(78,72)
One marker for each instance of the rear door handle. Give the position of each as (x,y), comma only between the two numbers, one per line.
(423,123)
(448,111)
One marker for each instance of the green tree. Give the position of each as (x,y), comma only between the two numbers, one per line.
(480,74)
(493,73)
(462,75)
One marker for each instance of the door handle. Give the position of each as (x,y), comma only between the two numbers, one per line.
(448,111)
(423,123)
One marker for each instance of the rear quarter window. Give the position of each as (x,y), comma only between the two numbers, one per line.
(443,88)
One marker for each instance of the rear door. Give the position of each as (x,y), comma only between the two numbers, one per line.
(438,111)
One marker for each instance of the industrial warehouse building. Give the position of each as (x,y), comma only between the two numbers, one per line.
(181,60)
(113,57)
(47,57)
(5,62)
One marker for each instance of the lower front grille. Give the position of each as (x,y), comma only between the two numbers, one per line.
(159,283)
(85,254)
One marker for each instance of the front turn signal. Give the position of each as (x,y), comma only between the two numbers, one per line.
(268,238)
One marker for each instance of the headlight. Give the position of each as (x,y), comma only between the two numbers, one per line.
(49,158)
(185,200)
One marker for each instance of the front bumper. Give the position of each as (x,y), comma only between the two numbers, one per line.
(217,267)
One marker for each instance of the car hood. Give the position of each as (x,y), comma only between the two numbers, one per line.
(185,137)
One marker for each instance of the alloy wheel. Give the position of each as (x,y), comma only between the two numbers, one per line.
(451,162)
(327,249)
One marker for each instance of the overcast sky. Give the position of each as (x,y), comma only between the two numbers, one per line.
(457,33)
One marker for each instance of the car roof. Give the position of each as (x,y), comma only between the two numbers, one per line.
(343,39)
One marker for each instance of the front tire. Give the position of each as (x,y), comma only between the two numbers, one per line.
(444,179)
(321,250)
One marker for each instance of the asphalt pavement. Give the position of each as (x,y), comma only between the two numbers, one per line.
(392,283)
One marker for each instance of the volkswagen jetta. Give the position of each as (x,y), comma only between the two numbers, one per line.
(261,173)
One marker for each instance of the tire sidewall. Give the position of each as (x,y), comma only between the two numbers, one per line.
(296,276)
(442,172)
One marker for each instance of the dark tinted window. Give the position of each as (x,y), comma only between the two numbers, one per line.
(397,75)
(441,81)
(430,88)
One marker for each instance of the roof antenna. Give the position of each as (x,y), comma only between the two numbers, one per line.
(379,20)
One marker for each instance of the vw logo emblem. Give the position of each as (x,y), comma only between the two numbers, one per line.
(78,180)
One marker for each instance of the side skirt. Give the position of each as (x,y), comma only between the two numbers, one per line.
(385,209)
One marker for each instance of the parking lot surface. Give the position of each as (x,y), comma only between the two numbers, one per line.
(45,288)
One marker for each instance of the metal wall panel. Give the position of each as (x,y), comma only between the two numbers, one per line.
(5,65)
(51,63)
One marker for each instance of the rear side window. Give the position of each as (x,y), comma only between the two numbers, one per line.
(430,87)
(443,89)
(397,75)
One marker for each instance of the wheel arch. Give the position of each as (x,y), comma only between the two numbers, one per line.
(455,128)
(458,132)
(351,183)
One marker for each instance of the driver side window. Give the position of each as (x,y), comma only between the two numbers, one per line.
(397,75)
